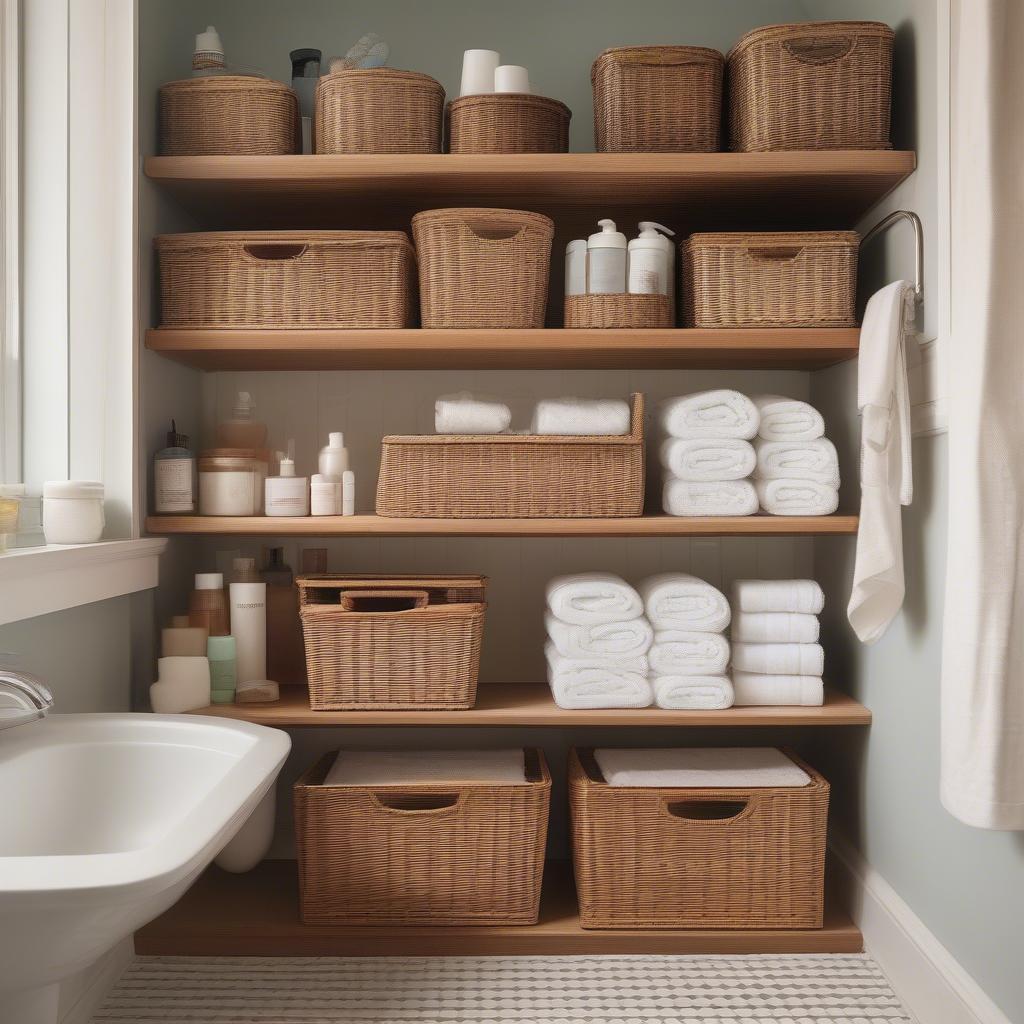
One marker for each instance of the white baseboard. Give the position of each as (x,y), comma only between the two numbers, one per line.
(924,974)
(86,991)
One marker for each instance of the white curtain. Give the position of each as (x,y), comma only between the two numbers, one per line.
(983,643)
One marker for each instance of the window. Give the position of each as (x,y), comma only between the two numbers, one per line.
(10,355)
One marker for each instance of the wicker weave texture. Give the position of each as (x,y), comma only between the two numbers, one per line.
(454,854)
(508,123)
(300,279)
(378,110)
(816,85)
(655,858)
(770,279)
(617,312)
(228,115)
(483,267)
(658,99)
(513,476)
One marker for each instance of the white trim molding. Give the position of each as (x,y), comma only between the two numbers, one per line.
(10,243)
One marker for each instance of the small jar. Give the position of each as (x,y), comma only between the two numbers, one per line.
(9,509)
(231,481)
(72,511)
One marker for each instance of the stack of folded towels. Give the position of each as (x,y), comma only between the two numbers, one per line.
(797,468)
(776,657)
(707,454)
(689,656)
(464,414)
(598,641)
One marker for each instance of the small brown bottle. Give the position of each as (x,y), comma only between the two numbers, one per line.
(208,604)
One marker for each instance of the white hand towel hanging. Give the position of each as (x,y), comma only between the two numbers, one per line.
(885,467)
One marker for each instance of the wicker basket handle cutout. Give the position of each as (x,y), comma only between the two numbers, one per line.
(712,809)
(492,229)
(820,49)
(386,601)
(275,252)
(775,255)
(418,805)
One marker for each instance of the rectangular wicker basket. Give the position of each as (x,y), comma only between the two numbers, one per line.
(508,123)
(438,854)
(514,476)
(625,311)
(770,279)
(392,642)
(697,858)
(300,279)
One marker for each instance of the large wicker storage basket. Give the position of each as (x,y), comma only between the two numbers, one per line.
(815,85)
(378,110)
(483,268)
(658,99)
(498,476)
(665,858)
(625,311)
(303,279)
(770,279)
(438,854)
(228,115)
(508,123)
(392,642)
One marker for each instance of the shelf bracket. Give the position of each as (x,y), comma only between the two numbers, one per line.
(884,224)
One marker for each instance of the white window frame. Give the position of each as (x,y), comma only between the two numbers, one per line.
(10,244)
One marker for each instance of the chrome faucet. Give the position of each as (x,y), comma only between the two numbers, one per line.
(23,698)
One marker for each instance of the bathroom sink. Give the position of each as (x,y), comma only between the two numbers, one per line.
(106,820)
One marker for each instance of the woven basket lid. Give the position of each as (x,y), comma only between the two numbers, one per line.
(508,99)
(666,55)
(460,213)
(352,77)
(821,29)
(194,239)
(745,239)
(227,83)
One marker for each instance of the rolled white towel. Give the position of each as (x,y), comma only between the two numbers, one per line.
(774,628)
(796,497)
(619,640)
(776,659)
(581,416)
(464,414)
(721,498)
(688,652)
(590,598)
(708,459)
(798,460)
(698,693)
(749,688)
(786,419)
(675,600)
(597,683)
(719,413)
(778,596)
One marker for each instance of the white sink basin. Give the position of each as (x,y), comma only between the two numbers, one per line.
(106,820)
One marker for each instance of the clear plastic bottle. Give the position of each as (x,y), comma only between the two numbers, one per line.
(243,430)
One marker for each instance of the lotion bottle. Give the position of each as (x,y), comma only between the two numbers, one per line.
(243,430)
(650,256)
(606,260)
(333,459)
(247,596)
(576,267)
(287,494)
(174,476)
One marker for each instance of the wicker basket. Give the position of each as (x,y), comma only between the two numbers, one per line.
(618,312)
(392,642)
(499,476)
(483,268)
(770,279)
(658,99)
(228,115)
(378,110)
(508,123)
(816,85)
(664,858)
(440,854)
(301,279)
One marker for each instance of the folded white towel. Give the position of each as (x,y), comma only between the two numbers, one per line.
(406,767)
(778,596)
(590,598)
(700,768)
(464,414)
(797,497)
(675,600)
(778,659)
(688,652)
(798,460)
(697,498)
(697,693)
(704,458)
(786,419)
(754,689)
(775,628)
(604,640)
(720,413)
(580,416)
(598,683)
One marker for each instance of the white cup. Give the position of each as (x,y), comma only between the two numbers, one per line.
(511,78)
(478,71)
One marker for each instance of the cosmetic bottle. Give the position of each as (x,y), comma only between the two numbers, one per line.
(243,430)
(221,651)
(348,493)
(183,684)
(182,640)
(305,75)
(286,651)
(649,258)
(324,495)
(174,476)
(576,267)
(606,260)
(207,604)
(286,494)
(208,58)
(333,460)
(247,597)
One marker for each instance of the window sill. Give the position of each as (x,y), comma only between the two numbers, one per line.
(37,581)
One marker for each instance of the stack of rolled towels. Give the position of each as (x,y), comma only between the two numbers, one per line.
(776,657)
(464,414)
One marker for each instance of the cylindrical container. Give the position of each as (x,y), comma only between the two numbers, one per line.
(333,459)
(174,476)
(243,430)
(222,652)
(9,509)
(207,605)
(606,260)
(183,684)
(286,494)
(478,71)
(231,481)
(247,595)
(324,495)
(511,78)
(208,57)
(348,493)
(181,640)
(72,511)
(649,271)
(28,531)
(576,267)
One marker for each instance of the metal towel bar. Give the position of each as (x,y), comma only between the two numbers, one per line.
(915,221)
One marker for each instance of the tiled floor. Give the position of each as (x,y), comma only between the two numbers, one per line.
(828,989)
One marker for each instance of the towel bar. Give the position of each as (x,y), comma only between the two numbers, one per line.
(915,221)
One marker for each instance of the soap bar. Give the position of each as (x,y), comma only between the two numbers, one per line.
(260,691)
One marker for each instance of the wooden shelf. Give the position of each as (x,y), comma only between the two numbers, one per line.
(779,349)
(378,526)
(256,914)
(530,704)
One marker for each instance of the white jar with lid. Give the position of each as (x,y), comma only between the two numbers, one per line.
(72,511)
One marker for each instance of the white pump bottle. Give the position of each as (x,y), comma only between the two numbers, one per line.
(606,260)
(652,261)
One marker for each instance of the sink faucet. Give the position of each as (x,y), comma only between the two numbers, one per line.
(23,698)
